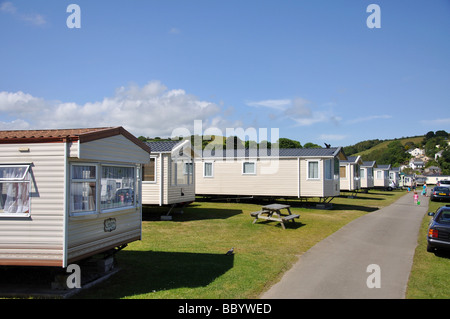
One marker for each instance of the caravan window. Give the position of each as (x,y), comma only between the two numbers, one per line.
(248,168)
(208,169)
(15,186)
(313,170)
(329,168)
(149,171)
(117,188)
(96,188)
(181,172)
(83,188)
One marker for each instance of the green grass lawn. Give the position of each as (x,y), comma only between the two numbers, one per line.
(185,257)
(430,274)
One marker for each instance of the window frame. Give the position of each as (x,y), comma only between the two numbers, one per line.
(248,162)
(329,169)
(155,171)
(98,188)
(24,179)
(308,177)
(212,169)
(95,180)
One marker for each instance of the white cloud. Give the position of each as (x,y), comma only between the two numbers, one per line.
(332,137)
(151,110)
(174,31)
(368,118)
(443,121)
(33,18)
(298,110)
(273,104)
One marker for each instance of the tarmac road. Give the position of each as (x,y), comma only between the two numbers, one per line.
(375,250)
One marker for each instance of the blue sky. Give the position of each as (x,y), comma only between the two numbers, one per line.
(310,68)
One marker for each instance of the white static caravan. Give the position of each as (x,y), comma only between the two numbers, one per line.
(68,194)
(169,177)
(394,177)
(367,174)
(382,176)
(350,173)
(270,173)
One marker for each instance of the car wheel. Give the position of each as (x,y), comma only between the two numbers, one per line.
(430,248)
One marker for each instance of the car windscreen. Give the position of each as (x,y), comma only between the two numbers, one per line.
(444,217)
(441,189)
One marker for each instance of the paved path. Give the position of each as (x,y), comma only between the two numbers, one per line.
(337,266)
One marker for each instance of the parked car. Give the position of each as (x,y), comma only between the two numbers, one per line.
(445,183)
(440,193)
(439,229)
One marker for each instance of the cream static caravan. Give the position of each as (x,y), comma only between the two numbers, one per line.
(350,173)
(367,174)
(382,176)
(269,173)
(169,177)
(68,194)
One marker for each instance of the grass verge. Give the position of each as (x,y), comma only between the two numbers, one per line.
(429,278)
(185,257)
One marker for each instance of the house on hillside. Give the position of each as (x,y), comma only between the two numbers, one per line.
(367,175)
(415,163)
(295,173)
(350,174)
(68,194)
(416,152)
(168,178)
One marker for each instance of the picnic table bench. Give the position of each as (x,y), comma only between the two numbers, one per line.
(273,212)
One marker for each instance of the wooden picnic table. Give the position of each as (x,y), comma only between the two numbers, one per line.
(275,212)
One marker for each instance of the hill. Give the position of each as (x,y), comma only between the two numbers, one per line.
(385,151)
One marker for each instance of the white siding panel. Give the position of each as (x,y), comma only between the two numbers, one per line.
(87,234)
(229,180)
(116,149)
(39,238)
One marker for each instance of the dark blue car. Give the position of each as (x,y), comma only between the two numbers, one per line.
(439,229)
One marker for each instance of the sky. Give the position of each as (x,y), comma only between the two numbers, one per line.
(309,70)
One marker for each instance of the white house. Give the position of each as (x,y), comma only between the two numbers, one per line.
(416,163)
(416,152)
(68,194)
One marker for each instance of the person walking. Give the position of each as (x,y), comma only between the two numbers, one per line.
(416,198)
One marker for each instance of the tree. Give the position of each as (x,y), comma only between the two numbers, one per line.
(311,145)
(288,143)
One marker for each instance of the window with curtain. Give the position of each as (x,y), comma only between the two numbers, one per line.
(208,169)
(83,188)
(15,184)
(149,171)
(313,170)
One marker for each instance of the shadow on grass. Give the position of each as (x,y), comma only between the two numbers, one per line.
(146,272)
(367,209)
(191,212)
